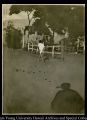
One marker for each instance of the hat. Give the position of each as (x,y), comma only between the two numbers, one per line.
(64,86)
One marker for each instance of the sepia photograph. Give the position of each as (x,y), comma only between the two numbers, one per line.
(43,59)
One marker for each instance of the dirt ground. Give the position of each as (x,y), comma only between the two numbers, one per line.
(29,85)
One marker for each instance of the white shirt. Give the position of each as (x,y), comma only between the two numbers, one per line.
(41,47)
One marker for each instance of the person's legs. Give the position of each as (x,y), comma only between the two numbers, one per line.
(41,54)
(41,51)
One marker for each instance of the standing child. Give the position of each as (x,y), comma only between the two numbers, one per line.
(41,48)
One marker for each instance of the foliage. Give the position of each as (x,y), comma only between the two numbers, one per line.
(13,37)
(40,27)
(57,16)
(29,9)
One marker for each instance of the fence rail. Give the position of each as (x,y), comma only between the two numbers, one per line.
(56,49)
(53,52)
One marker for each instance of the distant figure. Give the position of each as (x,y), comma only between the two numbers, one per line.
(84,45)
(41,49)
(77,44)
(67,101)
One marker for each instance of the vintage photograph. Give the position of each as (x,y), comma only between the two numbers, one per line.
(43,59)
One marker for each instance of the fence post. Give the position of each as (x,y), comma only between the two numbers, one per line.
(28,46)
(32,46)
(23,41)
(53,51)
(62,50)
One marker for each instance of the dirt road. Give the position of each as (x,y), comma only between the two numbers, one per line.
(29,85)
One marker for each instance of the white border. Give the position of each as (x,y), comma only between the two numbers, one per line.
(2,59)
(47,4)
(2,66)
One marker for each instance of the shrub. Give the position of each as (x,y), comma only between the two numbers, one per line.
(13,37)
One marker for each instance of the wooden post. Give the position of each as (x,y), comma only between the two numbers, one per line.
(53,51)
(23,42)
(78,42)
(62,50)
(32,46)
(23,38)
(28,46)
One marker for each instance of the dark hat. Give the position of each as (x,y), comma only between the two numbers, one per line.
(67,100)
(64,86)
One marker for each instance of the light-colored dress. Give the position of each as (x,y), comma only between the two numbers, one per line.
(41,47)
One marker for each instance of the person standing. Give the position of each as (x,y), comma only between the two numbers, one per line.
(67,100)
(41,49)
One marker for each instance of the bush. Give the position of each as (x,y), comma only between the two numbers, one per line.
(13,37)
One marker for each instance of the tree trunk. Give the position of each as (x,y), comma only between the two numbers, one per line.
(23,38)
(28,24)
(53,36)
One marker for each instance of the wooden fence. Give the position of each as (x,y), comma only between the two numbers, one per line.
(53,50)
(56,50)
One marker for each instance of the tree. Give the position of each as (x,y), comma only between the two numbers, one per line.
(13,37)
(58,17)
(40,27)
(29,9)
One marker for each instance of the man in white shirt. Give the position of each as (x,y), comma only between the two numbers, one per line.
(41,48)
